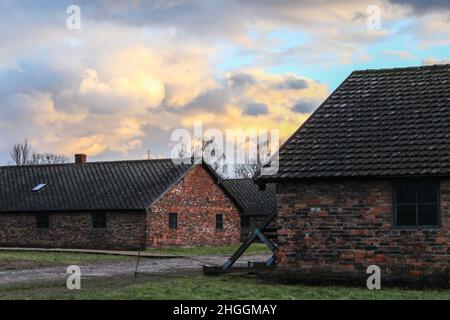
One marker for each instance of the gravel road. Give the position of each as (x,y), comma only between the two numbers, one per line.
(109,269)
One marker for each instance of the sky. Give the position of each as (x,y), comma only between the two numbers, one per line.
(120,82)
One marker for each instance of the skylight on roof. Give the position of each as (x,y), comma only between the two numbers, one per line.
(39,187)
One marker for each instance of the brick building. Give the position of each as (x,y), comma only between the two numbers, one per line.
(115,205)
(366,180)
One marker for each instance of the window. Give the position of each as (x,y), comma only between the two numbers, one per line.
(416,204)
(99,220)
(219,221)
(173,220)
(42,221)
(39,187)
(245,221)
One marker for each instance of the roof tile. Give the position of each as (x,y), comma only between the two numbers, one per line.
(386,122)
(117,185)
(250,198)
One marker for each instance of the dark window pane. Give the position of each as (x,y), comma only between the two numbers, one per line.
(219,221)
(406,215)
(428,215)
(173,220)
(405,192)
(427,192)
(417,203)
(42,221)
(99,220)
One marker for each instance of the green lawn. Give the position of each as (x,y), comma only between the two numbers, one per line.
(255,248)
(197,286)
(177,285)
(34,259)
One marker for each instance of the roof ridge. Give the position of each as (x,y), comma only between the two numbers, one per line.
(87,163)
(411,68)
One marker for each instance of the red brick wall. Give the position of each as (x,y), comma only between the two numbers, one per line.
(197,199)
(339,228)
(125,230)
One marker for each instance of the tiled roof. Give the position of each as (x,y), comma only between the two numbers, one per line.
(119,185)
(388,122)
(252,200)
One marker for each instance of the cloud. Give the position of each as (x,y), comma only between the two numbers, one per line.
(214,100)
(97,98)
(241,80)
(255,109)
(138,69)
(253,92)
(109,110)
(305,106)
(432,30)
(246,24)
(433,60)
(421,6)
(294,83)
(260,105)
(399,54)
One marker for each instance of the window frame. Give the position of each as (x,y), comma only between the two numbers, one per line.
(94,220)
(171,215)
(221,222)
(416,204)
(38,221)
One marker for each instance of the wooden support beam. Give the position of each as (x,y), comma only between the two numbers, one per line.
(267,242)
(240,251)
(251,238)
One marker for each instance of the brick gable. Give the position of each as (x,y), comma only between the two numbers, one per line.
(196,198)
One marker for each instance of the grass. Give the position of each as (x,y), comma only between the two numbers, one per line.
(178,286)
(34,259)
(255,248)
(197,286)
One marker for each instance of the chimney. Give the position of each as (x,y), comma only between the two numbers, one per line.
(80,158)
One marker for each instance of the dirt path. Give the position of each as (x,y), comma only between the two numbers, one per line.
(109,252)
(121,268)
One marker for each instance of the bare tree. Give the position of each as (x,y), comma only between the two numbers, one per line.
(209,151)
(263,155)
(21,153)
(251,166)
(48,158)
(243,171)
(214,156)
(183,152)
